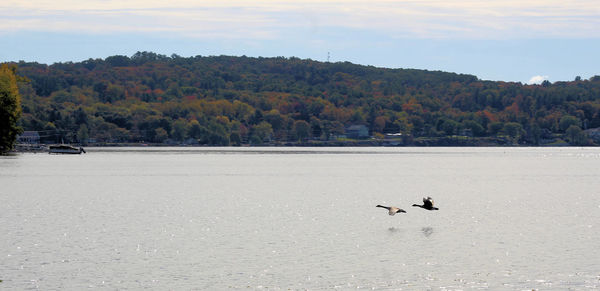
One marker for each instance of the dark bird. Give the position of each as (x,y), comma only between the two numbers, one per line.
(427,204)
(393,210)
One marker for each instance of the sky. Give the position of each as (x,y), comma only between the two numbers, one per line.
(501,40)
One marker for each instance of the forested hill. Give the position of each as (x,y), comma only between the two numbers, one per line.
(223,100)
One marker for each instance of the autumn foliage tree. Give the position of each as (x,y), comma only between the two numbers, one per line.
(224,100)
(10,108)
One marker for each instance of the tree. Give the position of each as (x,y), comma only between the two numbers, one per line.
(117,61)
(275,119)
(83,134)
(255,140)
(235,138)
(474,126)
(10,108)
(301,129)
(263,131)
(448,126)
(179,130)
(160,135)
(514,130)
(316,127)
(217,134)
(195,130)
(575,135)
(332,128)
(379,123)
(568,121)
(535,133)
(495,127)
(129,98)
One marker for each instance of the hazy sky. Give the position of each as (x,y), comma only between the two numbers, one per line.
(510,40)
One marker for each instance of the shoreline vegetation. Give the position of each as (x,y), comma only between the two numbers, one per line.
(451,141)
(157,100)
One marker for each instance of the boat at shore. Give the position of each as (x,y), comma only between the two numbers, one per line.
(65,149)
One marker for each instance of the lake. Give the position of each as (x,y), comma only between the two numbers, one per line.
(301,218)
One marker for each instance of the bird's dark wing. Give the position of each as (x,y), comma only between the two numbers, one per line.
(428,203)
(430,200)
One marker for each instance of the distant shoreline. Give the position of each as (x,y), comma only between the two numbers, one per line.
(456,141)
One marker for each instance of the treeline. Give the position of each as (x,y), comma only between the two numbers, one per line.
(10,108)
(224,100)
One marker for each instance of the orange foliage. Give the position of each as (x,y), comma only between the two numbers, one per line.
(490,116)
(412,107)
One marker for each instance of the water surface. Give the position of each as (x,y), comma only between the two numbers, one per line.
(301,218)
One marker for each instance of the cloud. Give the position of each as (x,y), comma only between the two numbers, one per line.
(270,19)
(537,79)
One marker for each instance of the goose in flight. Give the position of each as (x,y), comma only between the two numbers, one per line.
(393,210)
(427,204)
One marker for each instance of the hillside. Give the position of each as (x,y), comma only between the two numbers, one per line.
(223,100)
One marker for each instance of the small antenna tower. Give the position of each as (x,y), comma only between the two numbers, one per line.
(328,57)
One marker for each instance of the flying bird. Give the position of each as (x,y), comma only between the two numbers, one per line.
(393,210)
(427,204)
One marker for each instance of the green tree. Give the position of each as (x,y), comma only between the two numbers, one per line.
(567,121)
(255,140)
(235,138)
(180,129)
(275,119)
(217,134)
(337,128)
(513,130)
(495,127)
(332,128)
(10,108)
(195,130)
(474,126)
(301,129)
(575,135)
(160,135)
(83,134)
(263,131)
(449,126)
(535,133)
